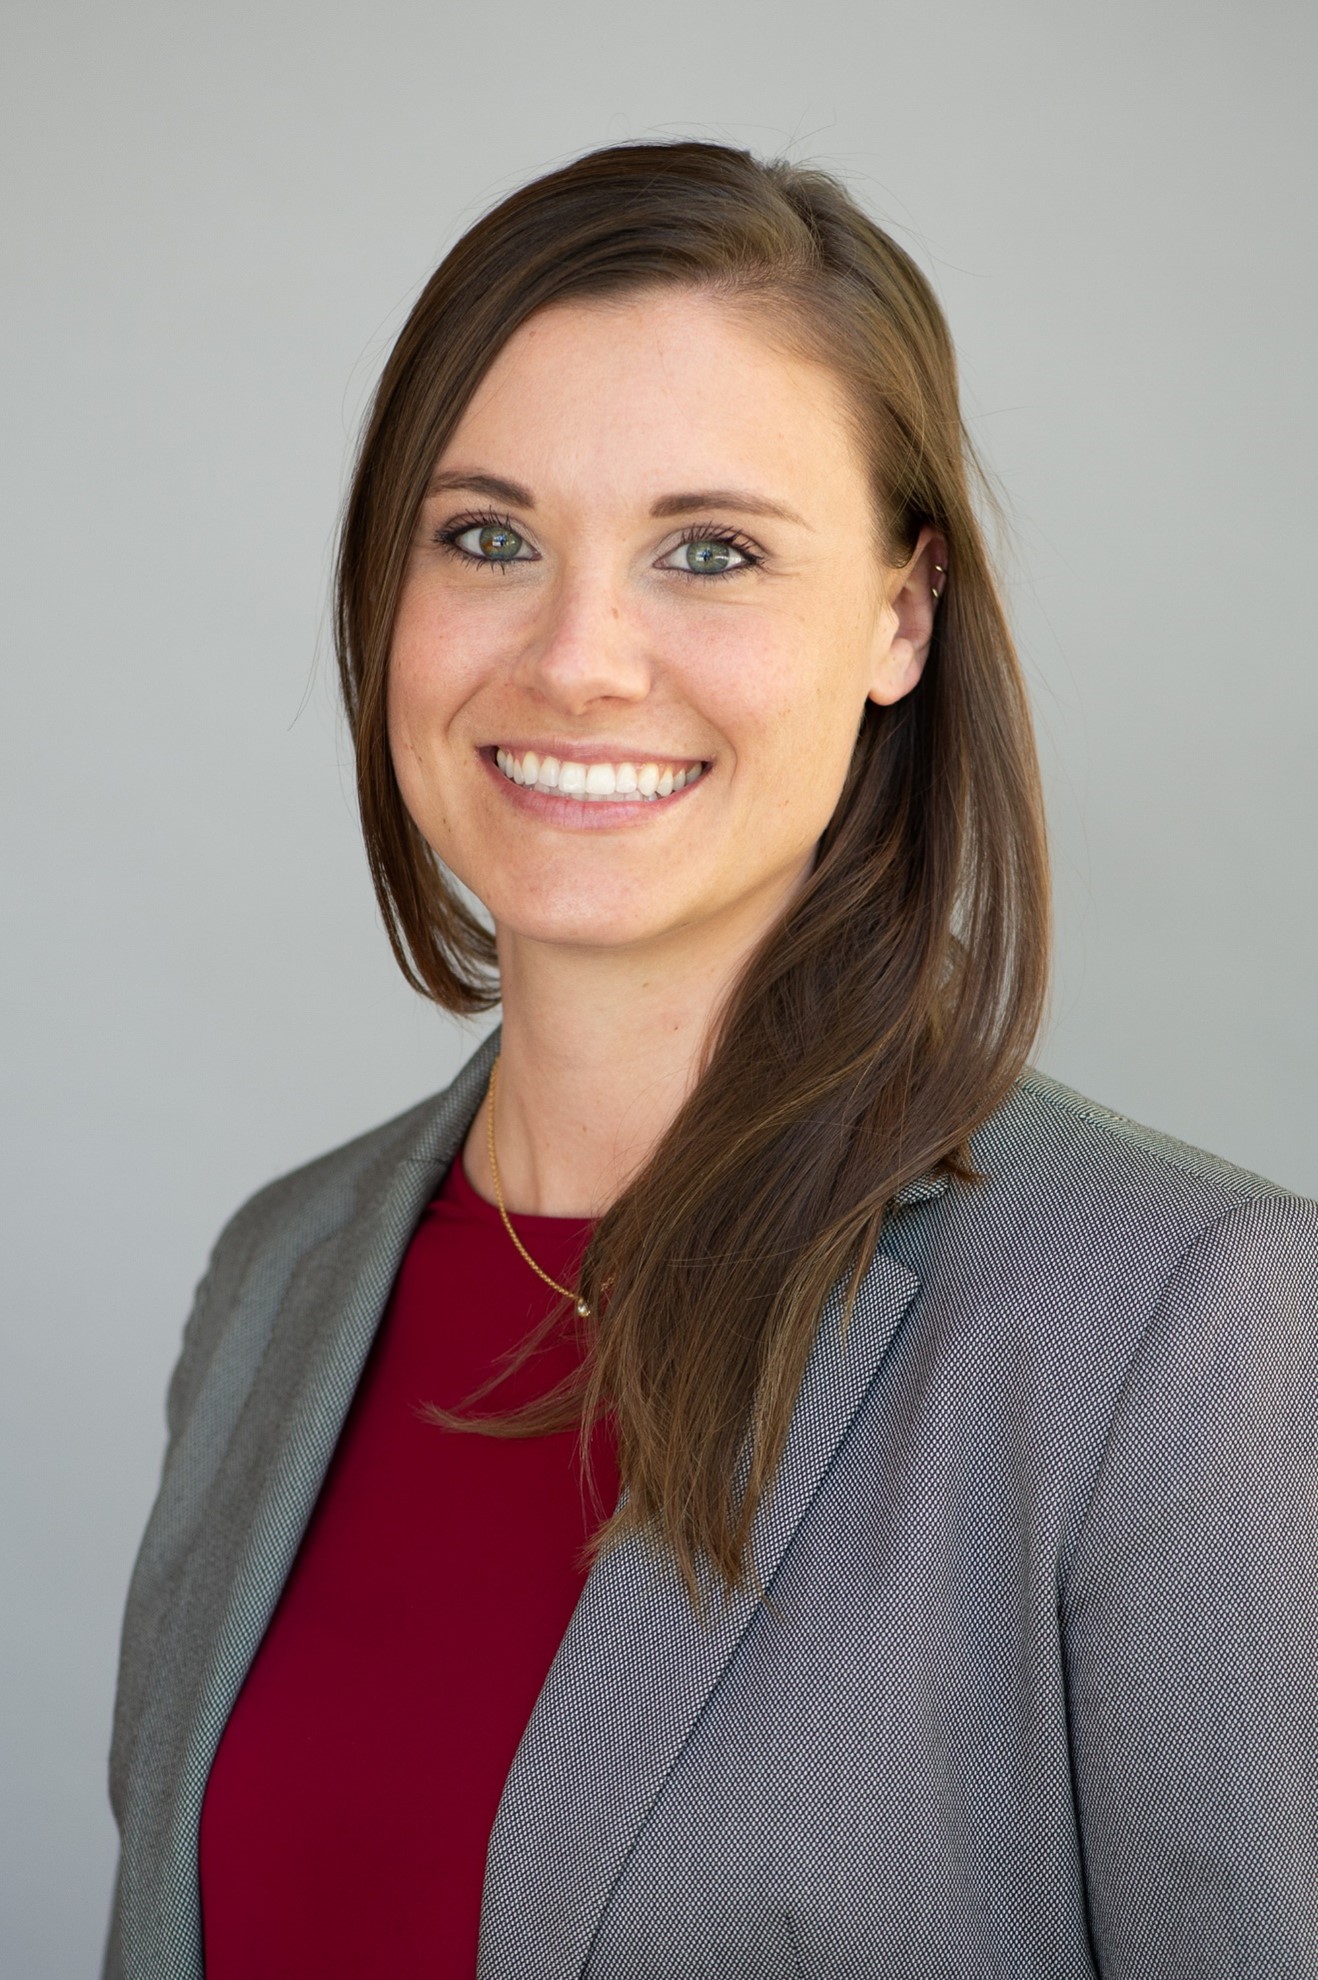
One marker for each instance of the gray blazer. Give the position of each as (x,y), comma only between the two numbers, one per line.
(1034,1693)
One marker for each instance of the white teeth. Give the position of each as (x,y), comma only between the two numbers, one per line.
(595,782)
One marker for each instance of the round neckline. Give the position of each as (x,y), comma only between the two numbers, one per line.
(459,1187)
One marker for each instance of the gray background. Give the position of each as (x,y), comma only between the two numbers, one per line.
(215,218)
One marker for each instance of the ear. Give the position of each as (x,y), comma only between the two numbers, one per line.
(911,595)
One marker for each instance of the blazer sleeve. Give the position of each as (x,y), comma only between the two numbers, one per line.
(1190,1621)
(169,1529)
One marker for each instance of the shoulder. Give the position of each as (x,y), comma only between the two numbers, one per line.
(270,1235)
(1071,1158)
(1103,1281)
(1084,1201)
(320,1192)
(323,1192)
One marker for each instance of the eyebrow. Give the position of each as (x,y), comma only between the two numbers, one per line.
(492,485)
(744,500)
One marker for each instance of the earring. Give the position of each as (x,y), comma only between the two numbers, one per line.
(942,572)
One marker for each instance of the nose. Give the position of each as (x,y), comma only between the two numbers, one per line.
(585,645)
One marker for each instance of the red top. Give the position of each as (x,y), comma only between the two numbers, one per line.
(350,1803)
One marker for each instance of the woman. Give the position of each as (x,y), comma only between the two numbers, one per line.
(811,1494)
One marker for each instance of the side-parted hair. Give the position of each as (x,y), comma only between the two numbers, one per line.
(893,1005)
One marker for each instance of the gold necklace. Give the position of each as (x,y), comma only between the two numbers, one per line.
(583,1305)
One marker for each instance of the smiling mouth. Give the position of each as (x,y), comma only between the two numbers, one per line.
(625,782)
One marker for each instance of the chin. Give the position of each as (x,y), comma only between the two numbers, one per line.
(577,930)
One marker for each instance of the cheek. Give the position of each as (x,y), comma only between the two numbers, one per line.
(405,701)
(419,703)
(405,678)
(428,677)
(790,694)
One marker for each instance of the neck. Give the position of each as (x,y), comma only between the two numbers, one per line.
(599,1050)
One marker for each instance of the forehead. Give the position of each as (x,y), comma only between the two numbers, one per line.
(660,389)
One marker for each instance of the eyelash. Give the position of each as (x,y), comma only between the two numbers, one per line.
(713,533)
(447,539)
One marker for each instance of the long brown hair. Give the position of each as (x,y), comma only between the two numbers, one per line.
(895,1003)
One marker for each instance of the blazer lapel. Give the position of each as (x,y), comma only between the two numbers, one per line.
(635,1668)
(315,1342)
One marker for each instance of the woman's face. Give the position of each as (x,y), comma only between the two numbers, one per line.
(648,549)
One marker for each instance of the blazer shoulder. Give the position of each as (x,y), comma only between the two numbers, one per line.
(1145,1146)
(265,1237)
(326,1188)
(1069,1182)
(330,1176)
(1051,1139)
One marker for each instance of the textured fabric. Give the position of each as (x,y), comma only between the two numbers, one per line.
(349,1806)
(1033,1693)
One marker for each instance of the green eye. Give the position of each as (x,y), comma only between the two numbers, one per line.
(498,542)
(486,542)
(707,557)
